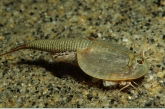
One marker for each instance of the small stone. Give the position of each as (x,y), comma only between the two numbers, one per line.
(160,74)
(2,37)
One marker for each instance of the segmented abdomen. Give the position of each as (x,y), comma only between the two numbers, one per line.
(59,45)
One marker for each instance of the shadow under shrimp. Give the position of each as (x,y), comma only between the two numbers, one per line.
(60,70)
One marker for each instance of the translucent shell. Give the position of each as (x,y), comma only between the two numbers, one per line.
(109,61)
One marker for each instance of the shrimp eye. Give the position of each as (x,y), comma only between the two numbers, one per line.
(140,61)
